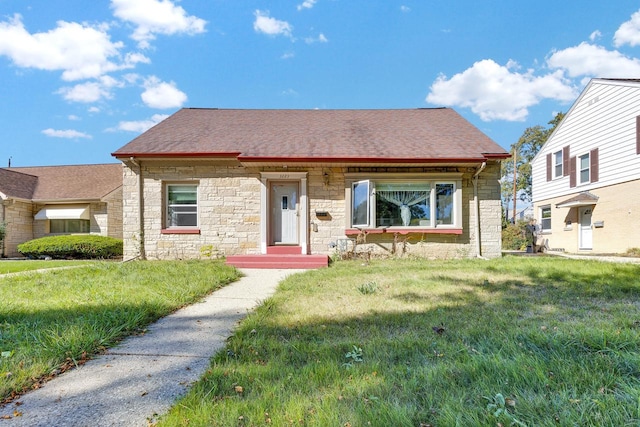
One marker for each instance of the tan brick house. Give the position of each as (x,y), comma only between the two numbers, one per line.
(41,201)
(586,177)
(273,185)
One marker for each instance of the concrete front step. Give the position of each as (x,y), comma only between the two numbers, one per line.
(278,261)
(284,250)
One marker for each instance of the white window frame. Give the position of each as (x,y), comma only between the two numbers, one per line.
(557,164)
(369,201)
(456,216)
(580,169)
(167,205)
(544,229)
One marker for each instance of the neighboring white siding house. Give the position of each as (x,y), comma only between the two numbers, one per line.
(586,178)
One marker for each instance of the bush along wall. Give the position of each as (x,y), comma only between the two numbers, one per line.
(85,246)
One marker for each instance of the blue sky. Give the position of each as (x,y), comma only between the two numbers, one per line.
(80,79)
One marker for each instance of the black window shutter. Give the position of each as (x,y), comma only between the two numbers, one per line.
(593,158)
(572,172)
(549,167)
(565,161)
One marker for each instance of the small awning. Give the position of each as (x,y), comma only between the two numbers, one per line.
(582,199)
(64,212)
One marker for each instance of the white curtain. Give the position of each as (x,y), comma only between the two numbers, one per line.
(404,199)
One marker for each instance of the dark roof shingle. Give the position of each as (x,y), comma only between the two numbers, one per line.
(419,134)
(89,182)
(17,184)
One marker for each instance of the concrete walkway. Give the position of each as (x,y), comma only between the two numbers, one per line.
(142,377)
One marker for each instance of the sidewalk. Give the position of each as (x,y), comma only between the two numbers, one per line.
(142,377)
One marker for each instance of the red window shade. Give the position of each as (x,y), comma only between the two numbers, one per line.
(637,134)
(549,167)
(572,172)
(565,161)
(593,157)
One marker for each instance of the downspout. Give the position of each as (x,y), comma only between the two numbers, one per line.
(477,209)
(142,254)
(4,217)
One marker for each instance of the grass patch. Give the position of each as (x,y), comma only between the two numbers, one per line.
(50,321)
(513,341)
(29,265)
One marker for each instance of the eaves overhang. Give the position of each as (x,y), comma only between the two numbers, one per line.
(252,159)
(124,156)
(583,199)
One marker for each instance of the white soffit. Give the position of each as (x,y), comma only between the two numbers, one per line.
(64,212)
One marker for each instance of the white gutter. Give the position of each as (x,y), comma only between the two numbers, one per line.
(477,209)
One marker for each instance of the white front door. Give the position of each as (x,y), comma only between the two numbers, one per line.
(284,213)
(586,232)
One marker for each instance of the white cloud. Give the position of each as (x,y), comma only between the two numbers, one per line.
(271,26)
(67,134)
(73,117)
(405,9)
(594,61)
(628,32)
(595,35)
(153,17)
(320,39)
(142,125)
(496,92)
(288,55)
(90,91)
(84,92)
(78,50)
(307,4)
(159,94)
(93,110)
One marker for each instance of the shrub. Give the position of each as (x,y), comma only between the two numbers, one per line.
(72,246)
(634,252)
(513,236)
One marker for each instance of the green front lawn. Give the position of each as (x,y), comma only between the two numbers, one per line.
(515,341)
(50,321)
(12,266)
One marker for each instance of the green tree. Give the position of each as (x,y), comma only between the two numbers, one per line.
(523,151)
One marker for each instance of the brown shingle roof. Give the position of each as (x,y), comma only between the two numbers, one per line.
(316,135)
(16,184)
(77,182)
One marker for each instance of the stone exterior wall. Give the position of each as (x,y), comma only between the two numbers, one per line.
(228,204)
(490,208)
(617,207)
(230,212)
(18,215)
(114,214)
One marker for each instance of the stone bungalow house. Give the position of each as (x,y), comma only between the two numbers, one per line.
(586,177)
(276,187)
(42,201)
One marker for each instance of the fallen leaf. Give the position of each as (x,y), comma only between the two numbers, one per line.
(238,389)
(17,413)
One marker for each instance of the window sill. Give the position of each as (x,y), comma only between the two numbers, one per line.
(356,231)
(180,231)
